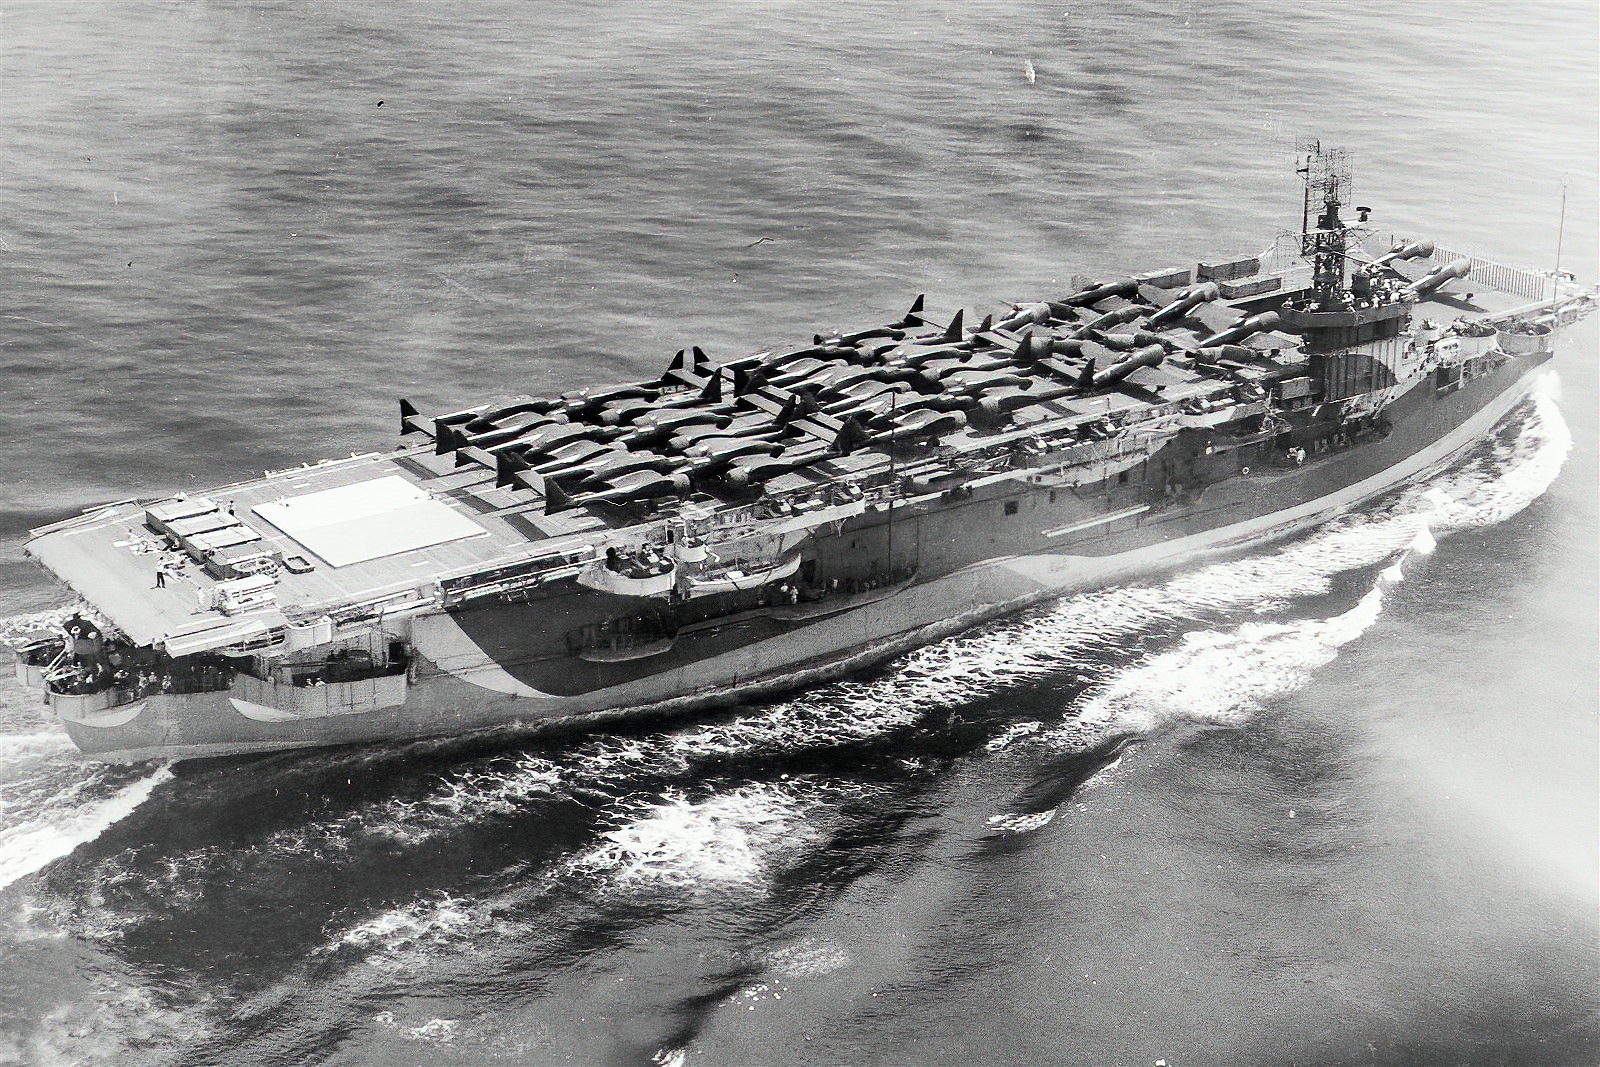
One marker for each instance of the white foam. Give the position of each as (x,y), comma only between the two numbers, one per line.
(119,1022)
(969,666)
(730,840)
(435,919)
(1021,822)
(476,793)
(405,937)
(726,840)
(1222,677)
(437,1031)
(1424,543)
(94,906)
(14,626)
(28,747)
(441,1031)
(1013,732)
(52,830)
(809,957)
(1074,634)
(1068,634)
(737,840)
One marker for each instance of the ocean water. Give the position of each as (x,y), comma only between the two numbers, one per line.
(1330,802)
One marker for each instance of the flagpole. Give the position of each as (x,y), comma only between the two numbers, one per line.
(1561,230)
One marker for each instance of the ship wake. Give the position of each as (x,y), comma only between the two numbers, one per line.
(1133,660)
(497,866)
(45,816)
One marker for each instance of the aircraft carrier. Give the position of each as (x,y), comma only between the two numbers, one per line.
(730,529)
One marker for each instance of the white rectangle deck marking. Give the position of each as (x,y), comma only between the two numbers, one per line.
(353,501)
(1097,521)
(367,520)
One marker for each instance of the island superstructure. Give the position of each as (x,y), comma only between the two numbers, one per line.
(725,530)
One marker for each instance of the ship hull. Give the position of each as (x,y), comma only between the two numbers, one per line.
(465,679)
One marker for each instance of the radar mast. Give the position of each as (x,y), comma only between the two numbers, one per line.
(1327,188)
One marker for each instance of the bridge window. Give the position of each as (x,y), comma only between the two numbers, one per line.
(1011,507)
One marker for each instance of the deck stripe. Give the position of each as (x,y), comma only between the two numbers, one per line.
(1099,521)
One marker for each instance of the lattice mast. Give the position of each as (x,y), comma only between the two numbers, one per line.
(1327,188)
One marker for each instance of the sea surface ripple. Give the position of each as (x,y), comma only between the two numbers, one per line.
(1331,800)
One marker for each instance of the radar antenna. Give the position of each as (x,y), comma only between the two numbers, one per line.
(1327,179)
